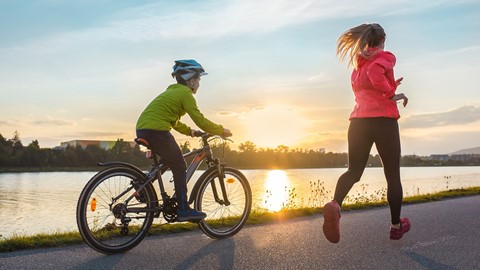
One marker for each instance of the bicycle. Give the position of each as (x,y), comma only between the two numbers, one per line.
(116,208)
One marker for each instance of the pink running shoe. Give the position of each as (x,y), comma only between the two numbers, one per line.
(331,221)
(396,234)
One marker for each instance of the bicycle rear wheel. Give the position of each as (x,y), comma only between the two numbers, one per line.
(104,222)
(222,220)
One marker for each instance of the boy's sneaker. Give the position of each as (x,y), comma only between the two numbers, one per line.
(190,215)
(396,234)
(331,221)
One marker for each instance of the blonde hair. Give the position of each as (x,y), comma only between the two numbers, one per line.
(357,40)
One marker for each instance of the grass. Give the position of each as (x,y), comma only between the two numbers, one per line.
(257,216)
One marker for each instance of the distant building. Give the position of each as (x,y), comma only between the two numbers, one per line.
(440,157)
(84,143)
(465,157)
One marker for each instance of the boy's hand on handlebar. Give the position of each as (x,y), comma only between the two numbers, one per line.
(196,133)
(226,133)
(199,133)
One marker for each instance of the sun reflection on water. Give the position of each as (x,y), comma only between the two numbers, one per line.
(276,185)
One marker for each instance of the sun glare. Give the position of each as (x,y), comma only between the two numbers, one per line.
(276,195)
(276,125)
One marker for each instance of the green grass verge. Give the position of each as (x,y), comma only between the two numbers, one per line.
(21,242)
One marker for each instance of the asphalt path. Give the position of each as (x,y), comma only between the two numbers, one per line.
(444,235)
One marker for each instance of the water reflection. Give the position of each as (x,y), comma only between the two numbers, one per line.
(44,202)
(277,185)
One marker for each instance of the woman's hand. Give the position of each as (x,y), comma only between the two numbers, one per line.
(400,97)
(399,81)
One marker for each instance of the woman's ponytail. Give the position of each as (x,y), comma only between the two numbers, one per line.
(357,40)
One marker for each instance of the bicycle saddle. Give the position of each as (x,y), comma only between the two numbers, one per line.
(143,142)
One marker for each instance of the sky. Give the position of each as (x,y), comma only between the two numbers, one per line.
(86,69)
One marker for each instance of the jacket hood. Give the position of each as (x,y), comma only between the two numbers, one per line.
(367,56)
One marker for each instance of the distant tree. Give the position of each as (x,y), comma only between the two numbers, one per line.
(120,147)
(5,151)
(185,147)
(34,145)
(69,157)
(282,149)
(16,150)
(3,141)
(94,154)
(247,146)
(16,142)
(32,155)
(14,154)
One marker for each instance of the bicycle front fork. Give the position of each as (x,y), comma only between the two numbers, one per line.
(221,178)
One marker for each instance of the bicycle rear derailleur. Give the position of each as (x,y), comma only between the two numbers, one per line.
(119,212)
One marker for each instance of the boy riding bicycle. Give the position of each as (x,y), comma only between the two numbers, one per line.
(164,113)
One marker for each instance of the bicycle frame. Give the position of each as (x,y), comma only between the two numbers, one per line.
(206,153)
(158,168)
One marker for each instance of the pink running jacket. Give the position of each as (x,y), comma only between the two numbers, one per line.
(373,84)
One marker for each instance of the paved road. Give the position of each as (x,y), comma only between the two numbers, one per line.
(444,235)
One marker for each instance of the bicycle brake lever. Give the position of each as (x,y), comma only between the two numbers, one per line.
(227,139)
(199,133)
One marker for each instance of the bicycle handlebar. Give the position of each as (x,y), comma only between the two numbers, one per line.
(199,133)
(205,136)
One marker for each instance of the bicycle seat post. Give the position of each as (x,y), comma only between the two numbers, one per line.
(144,142)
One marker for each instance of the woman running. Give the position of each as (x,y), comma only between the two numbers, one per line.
(373,120)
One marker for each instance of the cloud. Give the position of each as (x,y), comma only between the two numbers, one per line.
(227,113)
(468,50)
(53,122)
(460,116)
(29,121)
(457,56)
(95,134)
(212,19)
(6,123)
(410,7)
(90,135)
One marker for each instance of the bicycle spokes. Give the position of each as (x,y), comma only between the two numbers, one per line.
(106,213)
(224,219)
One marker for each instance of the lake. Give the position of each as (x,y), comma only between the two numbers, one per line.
(45,202)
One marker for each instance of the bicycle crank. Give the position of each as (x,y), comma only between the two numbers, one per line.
(170,210)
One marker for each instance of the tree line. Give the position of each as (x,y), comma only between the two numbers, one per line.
(13,154)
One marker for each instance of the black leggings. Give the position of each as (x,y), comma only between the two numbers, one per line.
(362,133)
(164,144)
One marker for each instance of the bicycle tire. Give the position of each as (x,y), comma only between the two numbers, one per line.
(96,220)
(223,221)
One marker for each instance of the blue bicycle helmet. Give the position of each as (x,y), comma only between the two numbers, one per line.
(188,69)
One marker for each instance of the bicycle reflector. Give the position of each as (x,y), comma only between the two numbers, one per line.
(93,204)
(230,180)
(149,154)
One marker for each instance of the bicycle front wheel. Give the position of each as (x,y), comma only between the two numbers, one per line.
(223,220)
(103,217)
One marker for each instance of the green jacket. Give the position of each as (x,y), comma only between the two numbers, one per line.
(165,111)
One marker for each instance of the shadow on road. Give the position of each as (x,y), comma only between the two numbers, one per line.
(427,262)
(223,249)
(102,262)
